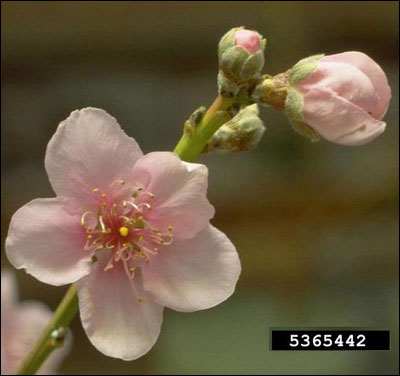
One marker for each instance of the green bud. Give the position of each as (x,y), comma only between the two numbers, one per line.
(243,132)
(57,336)
(241,59)
(195,118)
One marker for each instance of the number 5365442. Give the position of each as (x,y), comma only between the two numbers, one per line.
(326,340)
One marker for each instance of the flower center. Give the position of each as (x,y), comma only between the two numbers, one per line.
(123,227)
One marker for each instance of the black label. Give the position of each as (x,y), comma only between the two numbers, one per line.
(330,339)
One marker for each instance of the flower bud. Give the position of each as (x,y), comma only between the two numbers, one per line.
(241,58)
(243,132)
(57,336)
(341,97)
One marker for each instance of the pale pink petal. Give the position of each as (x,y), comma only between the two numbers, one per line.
(4,362)
(9,300)
(9,290)
(249,40)
(89,150)
(30,320)
(180,192)
(374,72)
(48,242)
(115,321)
(346,81)
(193,274)
(338,120)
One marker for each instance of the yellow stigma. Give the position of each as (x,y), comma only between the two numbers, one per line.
(124,231)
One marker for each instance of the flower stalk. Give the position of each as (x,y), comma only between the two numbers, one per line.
(46,344)
(193,141)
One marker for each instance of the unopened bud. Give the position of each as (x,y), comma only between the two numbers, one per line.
(241,59)
(243,132)
(57,336)
(342,98)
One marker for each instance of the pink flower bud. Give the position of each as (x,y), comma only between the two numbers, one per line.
(249,40)
(345,98)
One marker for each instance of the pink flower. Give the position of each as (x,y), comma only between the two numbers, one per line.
(131,229)
(21,326)
(345,97)
(248,39)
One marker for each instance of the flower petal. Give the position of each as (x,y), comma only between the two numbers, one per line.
(9,290)
(338,120)
(180,192)
(89,150)
(346,81)
(193,274)
(115,321)
(28,322)
(48,242)
(374,72)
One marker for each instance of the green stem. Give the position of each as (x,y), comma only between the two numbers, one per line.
(44,347)
(188,148)
(191,145)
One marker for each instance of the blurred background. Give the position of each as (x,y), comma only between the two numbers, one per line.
(316,225)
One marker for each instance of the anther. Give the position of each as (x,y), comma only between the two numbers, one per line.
(95,190)
(120,181)
(148,206)
(108,267)
(151,195)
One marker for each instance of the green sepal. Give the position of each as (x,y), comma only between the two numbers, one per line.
(252,66)
(294,104)
(304,68)
(305,130)
(232,62)
(228,40)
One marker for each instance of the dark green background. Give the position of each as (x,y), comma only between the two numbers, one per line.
(315,224)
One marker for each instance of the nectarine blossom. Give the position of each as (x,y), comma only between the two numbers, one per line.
(131,229)
(22,323)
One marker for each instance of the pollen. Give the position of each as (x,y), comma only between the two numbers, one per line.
(124,231)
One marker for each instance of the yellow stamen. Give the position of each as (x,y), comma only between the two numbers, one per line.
(124,231)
